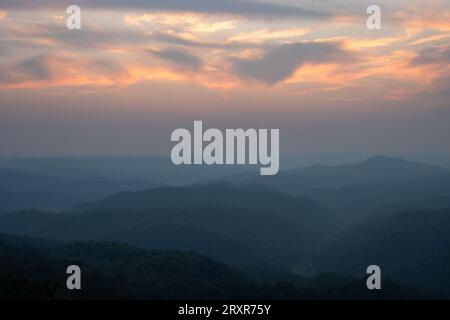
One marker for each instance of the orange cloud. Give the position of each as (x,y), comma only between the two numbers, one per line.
(69,70)
(262,35)
(385,57)
(424,18)
(190,22)
(434,38)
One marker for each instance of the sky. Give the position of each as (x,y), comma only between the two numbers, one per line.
(137,70)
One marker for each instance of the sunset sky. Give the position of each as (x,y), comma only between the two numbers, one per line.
(139,69)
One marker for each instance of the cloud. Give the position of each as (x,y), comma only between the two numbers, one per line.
(251,8)
(3,14)
(179,40)
(281,62)
(190,22)
(34,68)
(433,55)
(25,37)
(180,58)
(443,88)
(265,34)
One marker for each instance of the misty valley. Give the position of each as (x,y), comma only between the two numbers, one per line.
(155,232)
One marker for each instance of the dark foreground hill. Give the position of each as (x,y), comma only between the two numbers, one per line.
(33,268)
(410,247)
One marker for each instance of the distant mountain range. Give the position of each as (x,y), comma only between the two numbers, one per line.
(307,221)
(237,225)
(159,170)
(348,190)
(22,190)
(353,190)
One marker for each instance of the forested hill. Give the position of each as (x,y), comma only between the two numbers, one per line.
(33,268)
